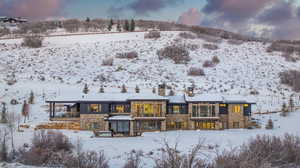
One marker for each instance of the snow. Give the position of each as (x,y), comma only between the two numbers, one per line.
(64,64)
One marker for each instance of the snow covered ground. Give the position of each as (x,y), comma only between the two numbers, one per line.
(64,64)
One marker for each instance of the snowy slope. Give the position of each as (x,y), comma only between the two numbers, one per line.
(64,64)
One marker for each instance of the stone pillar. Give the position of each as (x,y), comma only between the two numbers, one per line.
(163,125)
(106,125)
(131,133)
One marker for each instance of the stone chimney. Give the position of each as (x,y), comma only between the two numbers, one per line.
(190,91)
(162,89)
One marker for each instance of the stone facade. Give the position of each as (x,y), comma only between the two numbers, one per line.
(93,121)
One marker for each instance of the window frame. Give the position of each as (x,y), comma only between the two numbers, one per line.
(90,106)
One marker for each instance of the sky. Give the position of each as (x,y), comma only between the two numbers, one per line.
(278,19)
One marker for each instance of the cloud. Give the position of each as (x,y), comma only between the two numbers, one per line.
(280,19)
(235,10)
(278,13)
(32,9)
(190,17)
(144,7)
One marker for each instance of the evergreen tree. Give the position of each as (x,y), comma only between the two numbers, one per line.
(284,110)
(3,147)
(153,90)
(119,27)
(126,25)
(132,25)
(85,89)
(87,20)
(25,110)
(270,124)
(101,90)
(31,98)
(171,93)
(291,104)
(110,24)
(124,90)
(137,89)
(3,113)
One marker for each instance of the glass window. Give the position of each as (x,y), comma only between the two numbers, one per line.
(120,109)
(176,109)
(237,109)
(95,108)
(204,111)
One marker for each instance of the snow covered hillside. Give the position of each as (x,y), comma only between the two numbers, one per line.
(76,60)
(64,64)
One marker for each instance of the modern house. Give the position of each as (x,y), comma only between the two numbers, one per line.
(130,114)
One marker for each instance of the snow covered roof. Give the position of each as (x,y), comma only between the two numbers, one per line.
(114,97)
(239,99)
(176,99)
(180,98)
(205,98)
(120,118)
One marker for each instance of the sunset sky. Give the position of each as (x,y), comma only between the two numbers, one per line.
(275,18)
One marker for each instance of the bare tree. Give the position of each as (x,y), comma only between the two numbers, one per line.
(134,159)
(11,124)
(3,144)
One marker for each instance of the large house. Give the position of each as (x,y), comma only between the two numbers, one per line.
(130,114)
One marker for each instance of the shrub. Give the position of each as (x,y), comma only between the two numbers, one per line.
(187,35)
(108,62)
(193,71)
(208,63)
(134,159)
(289,57)
(127,55)
(291,78)
(210,46)
(89,159)
(4,31)
(33,41)
(270,124)
(45,144)
(263,151)
(172,157)
(152,34)
(235,42)
(192,47)
(215,60)
(179,54)
(284,47)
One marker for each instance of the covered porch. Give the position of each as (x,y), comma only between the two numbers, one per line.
(64,110)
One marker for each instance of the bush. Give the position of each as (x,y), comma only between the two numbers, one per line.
(263,151)
(210,46)
(45,144)
(235,42)
(134,159)
(208,63)
(284,47)
(172,157)
(127,55)
(179,54)
(193,71)
(291,78)
(152,34)
(290,57)
(187,35)
(4,31)
(215,60)
(192,47)
(270,124)
(33,41)
(108,62)
(85,160)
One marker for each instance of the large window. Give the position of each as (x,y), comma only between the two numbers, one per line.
(177,125)
(149,125)
(203,110)
(205,125)
(119,126)
(95,108)
(176,109)
(120,108)
(148,110)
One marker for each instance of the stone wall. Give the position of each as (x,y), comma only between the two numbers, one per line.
(87,119)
